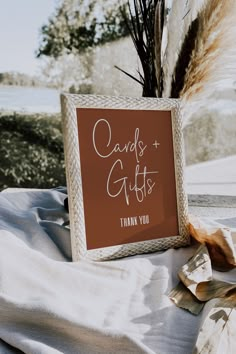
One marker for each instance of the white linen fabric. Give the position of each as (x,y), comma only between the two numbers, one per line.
(49,305)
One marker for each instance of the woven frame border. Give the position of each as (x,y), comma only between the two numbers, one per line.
(69,103)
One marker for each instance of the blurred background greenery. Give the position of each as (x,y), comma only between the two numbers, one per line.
(31,151)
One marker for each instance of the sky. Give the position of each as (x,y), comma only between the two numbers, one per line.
(20,23)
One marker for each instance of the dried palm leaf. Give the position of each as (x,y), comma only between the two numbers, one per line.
(197,270)
(213,289)
(196,275)
(182,297)
(219,243)
(218,333)
(198,285)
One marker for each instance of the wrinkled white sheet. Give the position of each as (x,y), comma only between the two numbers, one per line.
(49,305)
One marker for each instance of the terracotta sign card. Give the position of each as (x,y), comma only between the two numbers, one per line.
(125,184)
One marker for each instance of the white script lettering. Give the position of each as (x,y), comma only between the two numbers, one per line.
(142,184)
(137,146)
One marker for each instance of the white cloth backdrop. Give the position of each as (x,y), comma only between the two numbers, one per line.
(49,305)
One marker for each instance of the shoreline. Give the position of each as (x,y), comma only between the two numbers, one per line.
(13,112)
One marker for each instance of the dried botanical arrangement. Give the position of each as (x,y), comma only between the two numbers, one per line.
(185,50)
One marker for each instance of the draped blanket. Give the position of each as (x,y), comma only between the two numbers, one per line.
(49,305)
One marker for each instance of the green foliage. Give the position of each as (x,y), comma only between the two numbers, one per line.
(31,151)
(75,27)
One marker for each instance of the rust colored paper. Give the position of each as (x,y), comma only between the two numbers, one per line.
(128,175)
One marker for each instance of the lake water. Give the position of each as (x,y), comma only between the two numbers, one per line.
(29,99)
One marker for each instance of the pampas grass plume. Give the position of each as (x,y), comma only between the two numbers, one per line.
(214,47)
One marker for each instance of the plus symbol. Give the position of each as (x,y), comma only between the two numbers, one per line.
(156,144)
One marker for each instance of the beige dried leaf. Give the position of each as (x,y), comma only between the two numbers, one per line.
(198,286)
(218,332)
(182,297)
(213,289)
(197,269)
(219,243)
(196,275)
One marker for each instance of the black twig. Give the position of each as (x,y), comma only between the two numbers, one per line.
(131,76)
(141,24)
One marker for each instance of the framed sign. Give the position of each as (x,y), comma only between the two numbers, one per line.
(124,165)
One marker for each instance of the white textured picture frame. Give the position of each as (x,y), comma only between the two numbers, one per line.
(69,104)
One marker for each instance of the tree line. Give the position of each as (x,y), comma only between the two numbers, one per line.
(20,79)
